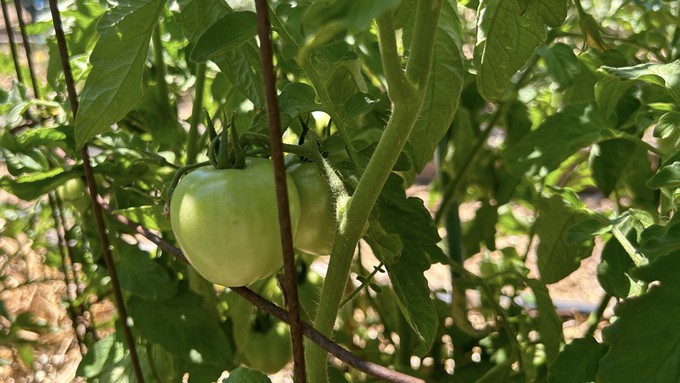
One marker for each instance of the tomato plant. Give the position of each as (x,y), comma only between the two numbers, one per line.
(490,161)
(226,222)
(316,229)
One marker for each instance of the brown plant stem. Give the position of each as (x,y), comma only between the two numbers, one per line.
(92,188)
(290,275)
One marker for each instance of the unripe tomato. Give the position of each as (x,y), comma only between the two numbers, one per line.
(316,230)
(72,190)
(271,350)
(226,222)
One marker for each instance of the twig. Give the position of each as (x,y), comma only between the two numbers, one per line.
(92,187)
(325,343)
(290,274)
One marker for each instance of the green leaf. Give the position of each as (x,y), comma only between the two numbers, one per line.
(298,99)
(443,90)
(355,15)
(143,276)
(105,352)
(613,268)
(560,136)
(667,125)
(562,64)
(196,16)
(181,326)
(668,176)
(578,362)
(659,240)
(50,137)
(151,216)
(410,221)
(586,230)
(499,373)
(482,229)
(553,12)
(246,375)
(114,85)
(608,162)
(31,186)
(225,35)
(616,82)
(242,68)
(548,323)
(556,257)
(110,362)
(651,355)
(507,34)
(386,246)
(608,92)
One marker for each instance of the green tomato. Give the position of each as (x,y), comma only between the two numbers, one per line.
(309,291)
(316,230)
(226,222)
(72,190)
(269,351)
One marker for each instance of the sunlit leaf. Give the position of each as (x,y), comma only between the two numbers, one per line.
(114,85)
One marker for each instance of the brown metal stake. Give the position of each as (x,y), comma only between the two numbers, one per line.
(92,187)
(27,48)
(290,288)
(12,43)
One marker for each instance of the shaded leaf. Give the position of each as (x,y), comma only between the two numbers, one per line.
(114,85)
(668,176)
(548,323)
(31,186)
(151,217)
(667,125)
(507,34)
(196,16)
(556,257)
(246,375)
(578,362)
(613,268)
(649,355)
(356,15)
(560,136)
(242,68)
(617,80)
(608,162)
(408,219)
(142,276)
(226,34)
(298,99)
(562,64)
(443,90)
(195,335)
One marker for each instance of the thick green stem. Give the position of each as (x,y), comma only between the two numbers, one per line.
(355,213)
(196,114)
(398,86)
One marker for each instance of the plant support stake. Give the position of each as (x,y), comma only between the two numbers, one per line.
(290,288)
(92,188)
